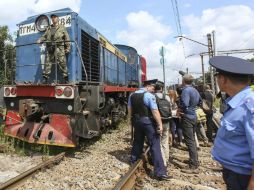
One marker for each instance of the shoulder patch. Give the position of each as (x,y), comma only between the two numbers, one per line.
(249,102)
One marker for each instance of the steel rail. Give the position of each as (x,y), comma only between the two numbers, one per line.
(18,180)
(128,180)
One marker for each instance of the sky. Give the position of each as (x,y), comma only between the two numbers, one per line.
(147,25)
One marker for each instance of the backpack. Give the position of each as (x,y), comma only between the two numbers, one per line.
(164,107)
(205,106)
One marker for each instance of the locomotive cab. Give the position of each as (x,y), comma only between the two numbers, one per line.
(101,77)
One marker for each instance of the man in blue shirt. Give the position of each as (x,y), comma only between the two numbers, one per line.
(234,143)
(146,120)
(189,100)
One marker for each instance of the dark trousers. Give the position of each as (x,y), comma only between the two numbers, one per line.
(142,130)
(188,126)
(235,181)
(209,124)
(175,128)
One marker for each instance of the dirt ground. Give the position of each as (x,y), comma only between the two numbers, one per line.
(209,177)
(101,164)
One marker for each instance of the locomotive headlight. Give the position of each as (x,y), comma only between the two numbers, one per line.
(10,91)
(69,107)
(64,92)
(7,91)
(67,91)
(41,23)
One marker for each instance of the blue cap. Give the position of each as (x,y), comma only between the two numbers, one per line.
(232,65)
(150,82)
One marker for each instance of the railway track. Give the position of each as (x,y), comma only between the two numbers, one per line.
(129,180)
(20,179)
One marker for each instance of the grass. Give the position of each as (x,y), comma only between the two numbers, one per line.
(11,145)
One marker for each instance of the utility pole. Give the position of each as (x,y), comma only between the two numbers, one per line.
(203,69)
(214,54)
(210,54)
(162,60)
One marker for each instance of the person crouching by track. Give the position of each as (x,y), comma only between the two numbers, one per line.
(164,106)
(234,142)
(145,118)
(189,100)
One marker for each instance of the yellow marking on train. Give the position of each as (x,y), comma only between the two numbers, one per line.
(105,43)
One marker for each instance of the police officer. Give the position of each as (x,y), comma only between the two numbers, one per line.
(189,100)
(234,142)
(57,47)
(146,120)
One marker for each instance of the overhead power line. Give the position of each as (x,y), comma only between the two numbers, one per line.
(178,18)
(177,21)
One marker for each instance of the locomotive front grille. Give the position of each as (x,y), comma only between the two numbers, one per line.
(90,56)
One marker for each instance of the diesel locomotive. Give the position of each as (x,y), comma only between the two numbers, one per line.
(101,77)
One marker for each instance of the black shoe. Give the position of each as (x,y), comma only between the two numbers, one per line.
(66,81)
(190,170)
(164,178)
(45,80)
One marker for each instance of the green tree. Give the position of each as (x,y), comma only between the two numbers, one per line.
(251,60)
(6,56)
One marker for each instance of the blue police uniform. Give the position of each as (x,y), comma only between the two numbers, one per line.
(146,127)
(234,142)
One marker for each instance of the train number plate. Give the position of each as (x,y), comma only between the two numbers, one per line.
(31,28)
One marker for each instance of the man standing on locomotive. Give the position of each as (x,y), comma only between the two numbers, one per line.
(146,120)
(57,45)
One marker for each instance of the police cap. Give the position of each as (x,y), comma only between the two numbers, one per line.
(233,65)
(52,15)
(150,82)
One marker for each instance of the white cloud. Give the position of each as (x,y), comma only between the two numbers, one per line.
(142,27)
(146,33)
(187,5)
(15,11)
(233,26)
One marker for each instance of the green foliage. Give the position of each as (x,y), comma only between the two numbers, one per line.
(7,56)
(251,60)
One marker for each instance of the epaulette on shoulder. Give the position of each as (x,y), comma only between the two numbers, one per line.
(249,102)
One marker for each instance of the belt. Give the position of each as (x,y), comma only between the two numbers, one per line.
(143,119)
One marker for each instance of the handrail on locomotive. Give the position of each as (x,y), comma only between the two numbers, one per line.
(55,62)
